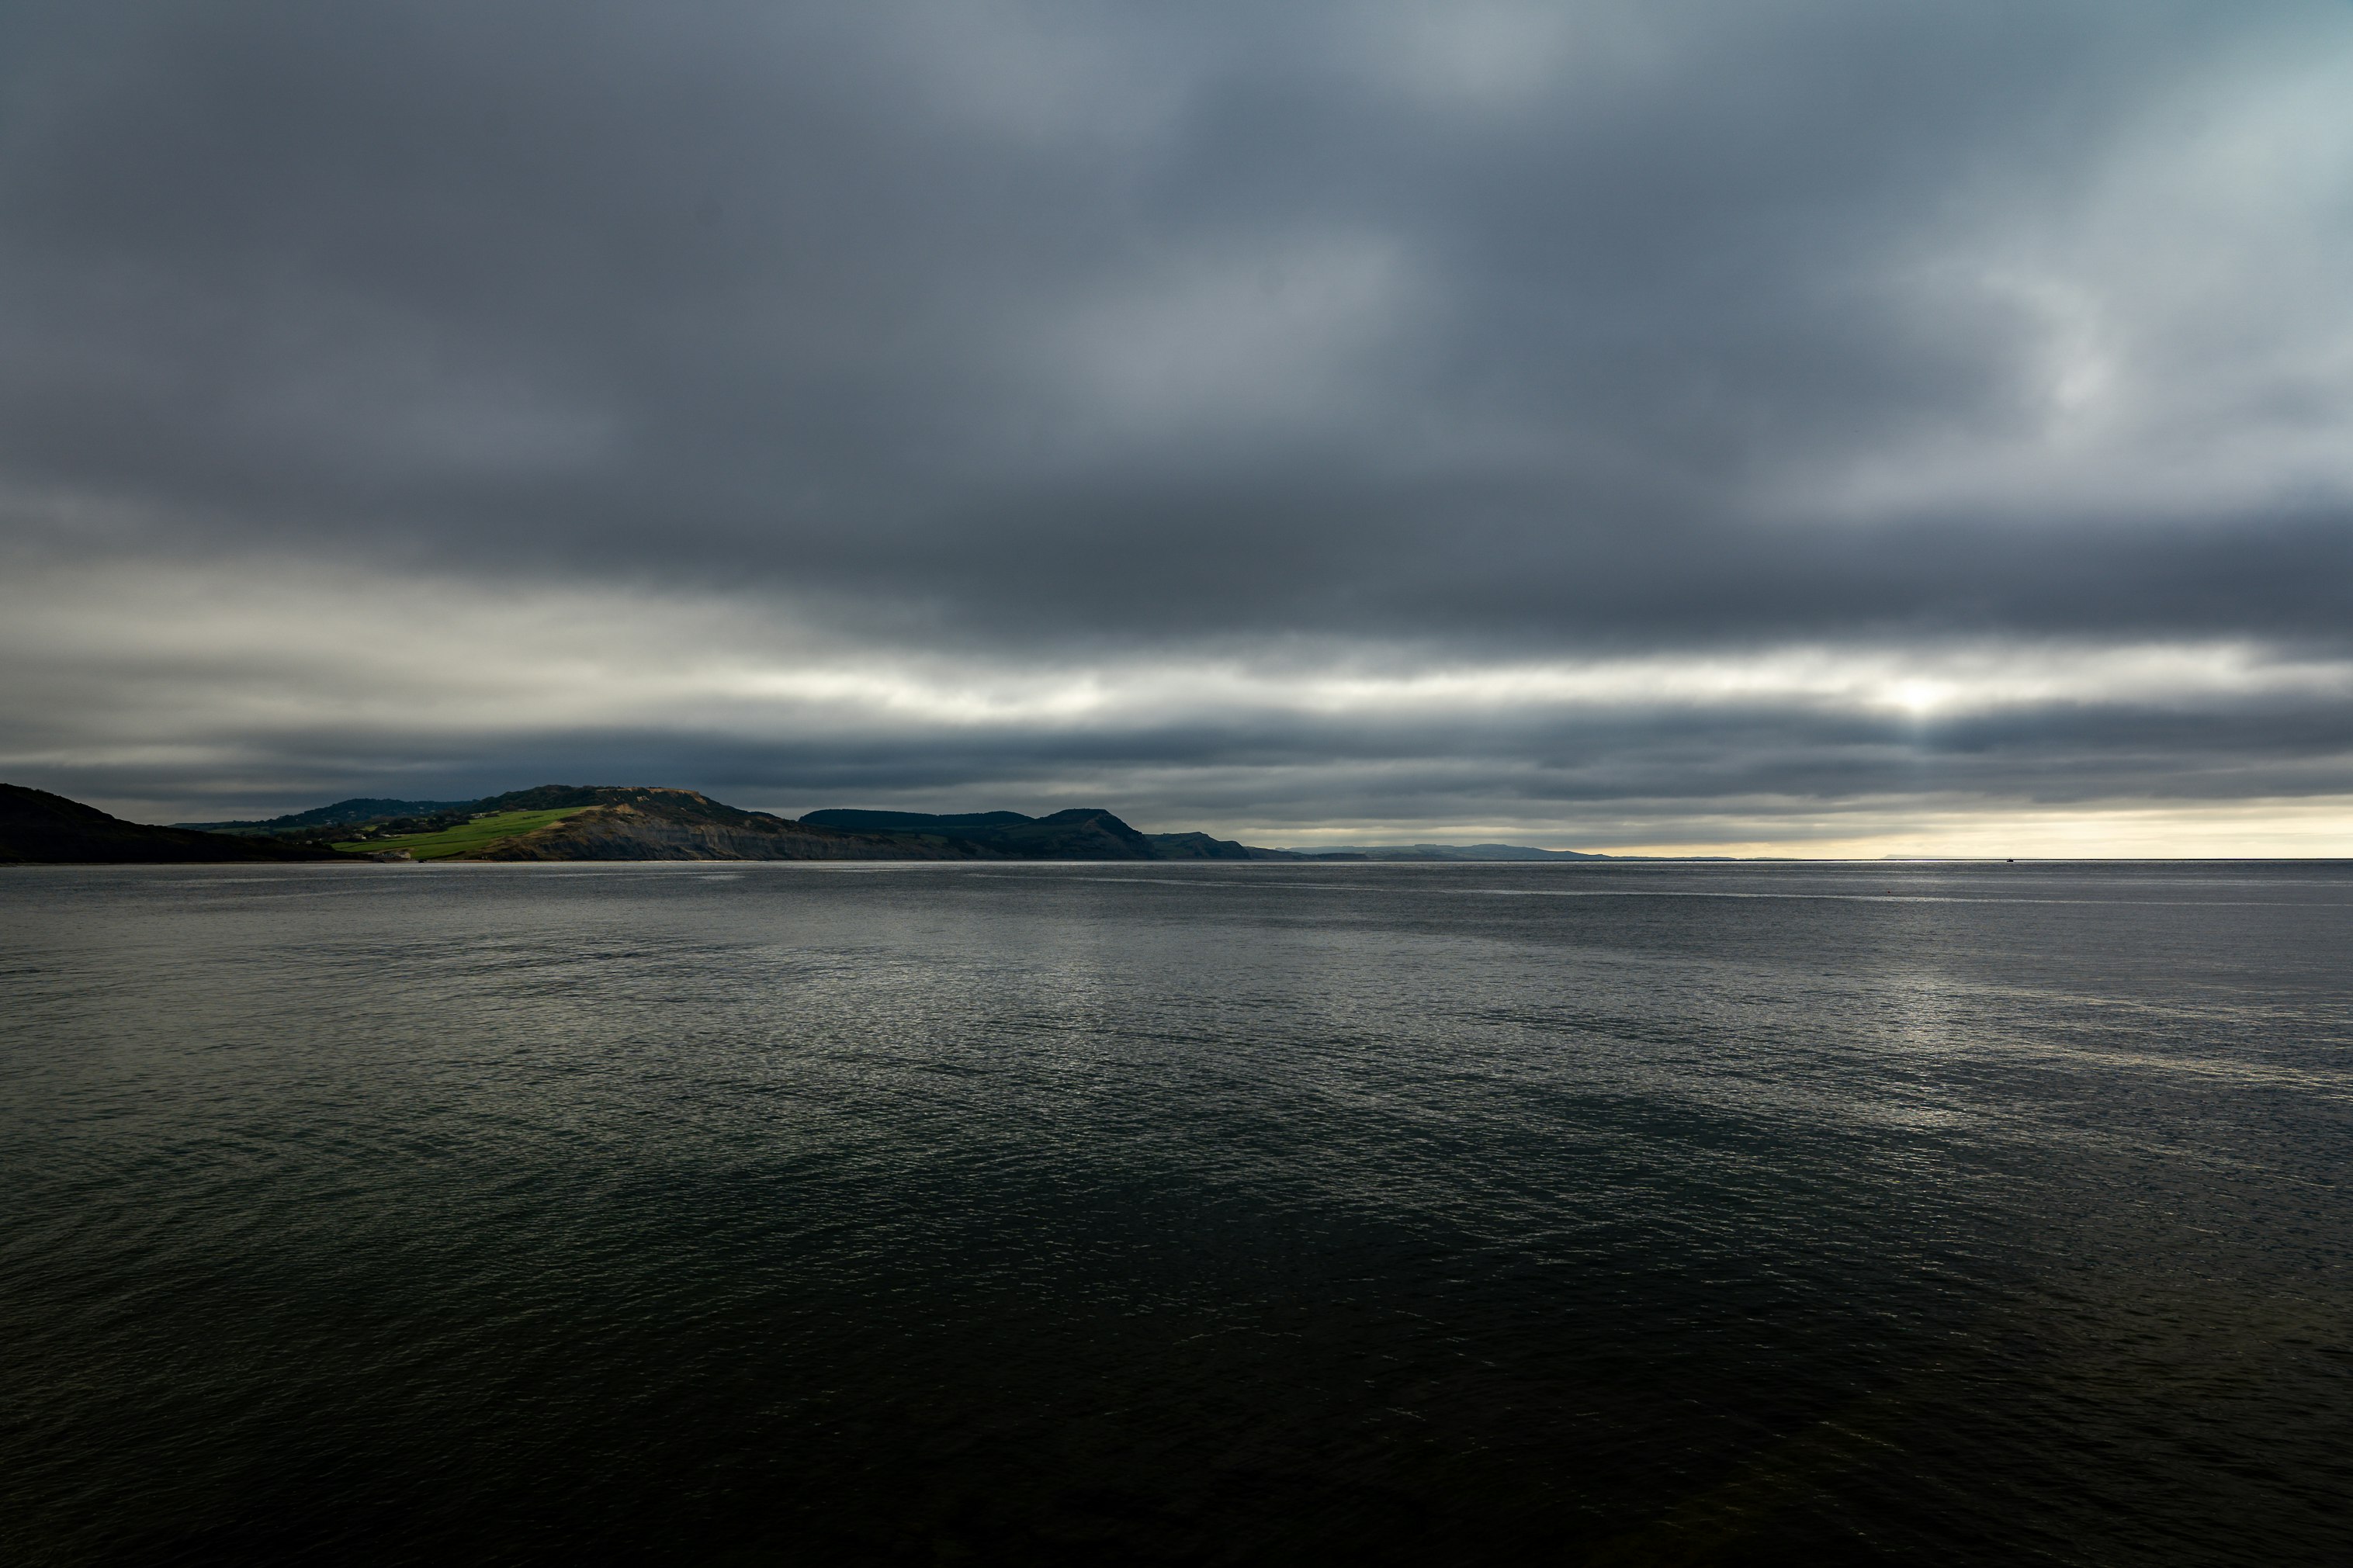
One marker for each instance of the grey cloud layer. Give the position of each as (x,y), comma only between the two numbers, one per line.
(1036,331)
(1640,778)
(199,692)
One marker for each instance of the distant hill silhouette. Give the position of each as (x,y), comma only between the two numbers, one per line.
(1452,852)
(649,822)
(40,828)
(340,814)
(1080,833)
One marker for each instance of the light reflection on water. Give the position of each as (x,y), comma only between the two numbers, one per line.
(1059,1212)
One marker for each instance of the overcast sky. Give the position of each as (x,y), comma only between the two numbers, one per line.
(1760,425)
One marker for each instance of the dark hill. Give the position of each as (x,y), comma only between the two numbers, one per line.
(40,828)
(1082,832)
(1201,847)
(343,813)
(1452,852)
(914,820)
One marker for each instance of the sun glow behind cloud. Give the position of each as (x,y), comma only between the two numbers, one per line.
(1676,424)
(224,673)
(467,654)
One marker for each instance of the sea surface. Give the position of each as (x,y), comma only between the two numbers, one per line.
(1191,1214)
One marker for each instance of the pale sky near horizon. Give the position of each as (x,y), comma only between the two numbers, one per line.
(1837,426)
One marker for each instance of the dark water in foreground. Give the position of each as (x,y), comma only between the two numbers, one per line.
(1201,1214)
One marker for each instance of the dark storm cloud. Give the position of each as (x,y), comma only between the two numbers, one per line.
(1028,316)
(1029,332)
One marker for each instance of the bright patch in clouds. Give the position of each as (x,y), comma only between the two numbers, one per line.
(1685,424)
(229,676)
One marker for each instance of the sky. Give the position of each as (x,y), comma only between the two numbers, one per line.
(1748,426)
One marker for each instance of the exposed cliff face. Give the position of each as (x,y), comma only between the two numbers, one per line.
(701,829)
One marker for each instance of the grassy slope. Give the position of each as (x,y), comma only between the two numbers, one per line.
(474,835)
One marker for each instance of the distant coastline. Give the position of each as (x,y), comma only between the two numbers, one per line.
(572,822)
(605,822)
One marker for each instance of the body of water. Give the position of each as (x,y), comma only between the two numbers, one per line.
(1204,1213)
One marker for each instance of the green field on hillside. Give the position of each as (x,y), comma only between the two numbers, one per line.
(474,835)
